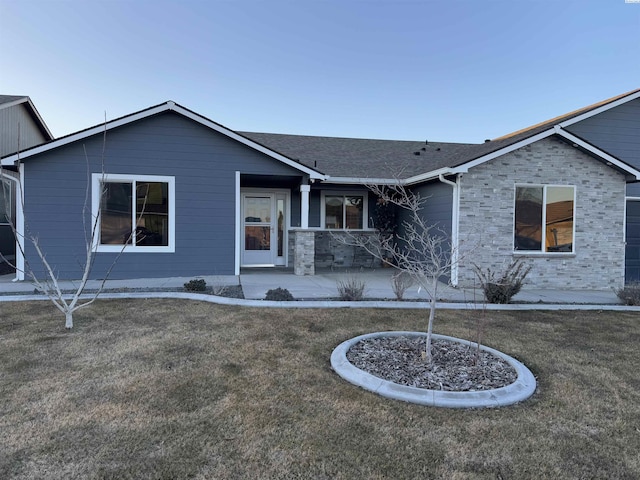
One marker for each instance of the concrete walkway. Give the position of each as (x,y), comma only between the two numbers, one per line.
(256,282)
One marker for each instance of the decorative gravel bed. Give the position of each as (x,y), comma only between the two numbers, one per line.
(455,367)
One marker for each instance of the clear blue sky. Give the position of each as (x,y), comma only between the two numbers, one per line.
(442,70)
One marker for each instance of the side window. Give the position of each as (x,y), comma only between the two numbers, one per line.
(343,211)
(136,211)
(544,218)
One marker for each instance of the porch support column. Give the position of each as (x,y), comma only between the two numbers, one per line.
(304,206)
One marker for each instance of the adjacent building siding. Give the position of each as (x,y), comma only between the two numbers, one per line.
(616,131)
(487,216)
(17,123)
(203,163)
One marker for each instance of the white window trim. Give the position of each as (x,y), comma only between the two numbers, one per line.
(542,252)
(353,193)
(97,178)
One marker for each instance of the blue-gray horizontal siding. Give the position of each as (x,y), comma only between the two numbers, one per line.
(436,211)
(438,204)
(203,163)
(617,131)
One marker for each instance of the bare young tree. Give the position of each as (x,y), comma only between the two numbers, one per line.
(418,249)
(67,302)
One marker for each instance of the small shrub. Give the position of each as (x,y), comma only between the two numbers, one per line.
(500,287)
(279,295)
(198,285)
(629,294)
(351,289)
(400,282)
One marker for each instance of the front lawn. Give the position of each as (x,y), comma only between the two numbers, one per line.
(181,389)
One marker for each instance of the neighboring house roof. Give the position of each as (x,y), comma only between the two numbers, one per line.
(155,110)
(7,101)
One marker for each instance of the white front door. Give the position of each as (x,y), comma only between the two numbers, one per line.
(263,229)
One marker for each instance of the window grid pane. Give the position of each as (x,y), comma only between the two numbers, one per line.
(528,221)
(559,219)
(353,212)
(115,213)
(334,212)
(152,214)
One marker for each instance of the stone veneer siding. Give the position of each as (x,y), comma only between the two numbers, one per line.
(303,252)
(486,219)
(309,249)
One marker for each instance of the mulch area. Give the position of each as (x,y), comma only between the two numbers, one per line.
(455,367)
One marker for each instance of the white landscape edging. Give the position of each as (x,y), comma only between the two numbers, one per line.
(521,389)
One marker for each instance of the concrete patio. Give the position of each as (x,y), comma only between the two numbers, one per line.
(256,282)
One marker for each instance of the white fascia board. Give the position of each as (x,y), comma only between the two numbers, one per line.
(427,176)
(40,119)
(362,181)
(503,151)
(83,134)
(599,110)
(15,102)
(464,168)
(34,110)
(11,160)
(596,151)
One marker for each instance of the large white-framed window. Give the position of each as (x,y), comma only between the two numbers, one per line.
(344,210)
(544,220)
(135,212)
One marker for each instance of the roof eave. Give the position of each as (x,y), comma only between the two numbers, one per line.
(34,112)
(609,159)
(602,108)
(164,107)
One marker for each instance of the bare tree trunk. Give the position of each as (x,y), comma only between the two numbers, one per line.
(421,250)
(49,285)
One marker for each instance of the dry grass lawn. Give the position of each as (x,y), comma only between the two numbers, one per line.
(177,389)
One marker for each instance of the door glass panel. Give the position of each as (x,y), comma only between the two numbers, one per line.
(280,217)
(257,210)
(257,238)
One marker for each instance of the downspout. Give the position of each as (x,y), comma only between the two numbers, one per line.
(454,226)
(20,260)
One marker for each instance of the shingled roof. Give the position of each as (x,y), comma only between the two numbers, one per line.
(364,158)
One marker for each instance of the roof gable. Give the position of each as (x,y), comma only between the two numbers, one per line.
(8,101)
(161,108)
